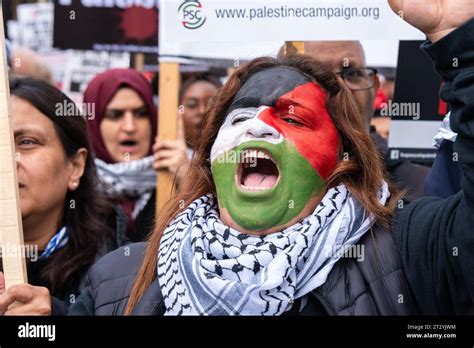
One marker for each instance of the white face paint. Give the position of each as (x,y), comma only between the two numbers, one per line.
(243,125)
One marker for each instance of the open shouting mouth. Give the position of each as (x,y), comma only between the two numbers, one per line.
(128,145)
(257,171)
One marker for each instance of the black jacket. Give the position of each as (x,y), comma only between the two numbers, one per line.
(444,178)
(427,266)
(145,220)
(406,175)
(436,236)
(377,285)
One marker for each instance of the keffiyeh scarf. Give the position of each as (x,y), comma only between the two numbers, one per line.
(208,268)
(134,179)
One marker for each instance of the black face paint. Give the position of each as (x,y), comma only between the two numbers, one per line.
(265,87)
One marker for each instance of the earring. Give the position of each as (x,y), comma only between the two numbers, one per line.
(75,184)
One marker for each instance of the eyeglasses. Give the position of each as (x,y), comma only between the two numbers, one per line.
(358,79)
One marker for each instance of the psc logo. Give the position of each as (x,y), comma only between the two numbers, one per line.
(191,14)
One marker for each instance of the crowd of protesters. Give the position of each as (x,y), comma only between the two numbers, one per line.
(228,242)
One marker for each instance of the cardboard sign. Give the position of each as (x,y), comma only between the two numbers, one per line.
(112,25)
(185,25)
(416,110)
(11,230)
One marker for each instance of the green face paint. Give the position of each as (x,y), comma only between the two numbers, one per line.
(257,210)
(279,112)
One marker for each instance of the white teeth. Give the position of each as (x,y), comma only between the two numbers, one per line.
(249,154)
(255,154)
(252,188)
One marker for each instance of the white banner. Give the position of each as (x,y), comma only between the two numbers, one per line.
(35,26)
(185,25)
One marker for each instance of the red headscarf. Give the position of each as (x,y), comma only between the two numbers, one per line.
(101,90)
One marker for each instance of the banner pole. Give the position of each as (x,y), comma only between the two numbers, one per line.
(169,85)
(139,62)
(294,47)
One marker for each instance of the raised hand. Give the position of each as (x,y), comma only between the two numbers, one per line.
(436,18)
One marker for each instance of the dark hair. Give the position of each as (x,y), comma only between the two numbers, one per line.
(198,77)
(360,166)
(85,223)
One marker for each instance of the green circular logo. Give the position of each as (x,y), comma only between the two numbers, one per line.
(191,14)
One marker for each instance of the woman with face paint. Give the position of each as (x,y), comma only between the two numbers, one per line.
(67,225)
(274,205)
(122,130)
(286,208)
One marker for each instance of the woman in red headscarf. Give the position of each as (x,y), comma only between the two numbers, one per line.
(122,127)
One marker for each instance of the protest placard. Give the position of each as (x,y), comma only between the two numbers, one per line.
(11,231)
(107,25)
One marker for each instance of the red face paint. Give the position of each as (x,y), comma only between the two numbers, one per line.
(302,117)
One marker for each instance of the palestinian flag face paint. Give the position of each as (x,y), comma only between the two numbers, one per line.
(275,149)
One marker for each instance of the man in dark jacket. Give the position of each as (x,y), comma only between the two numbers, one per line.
(347,58)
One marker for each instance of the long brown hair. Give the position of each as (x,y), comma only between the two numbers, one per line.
(360,167)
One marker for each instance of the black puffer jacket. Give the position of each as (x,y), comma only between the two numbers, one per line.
(428,265)
(374,286)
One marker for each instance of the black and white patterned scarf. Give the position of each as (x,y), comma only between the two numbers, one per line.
(135,179)
(208,268)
